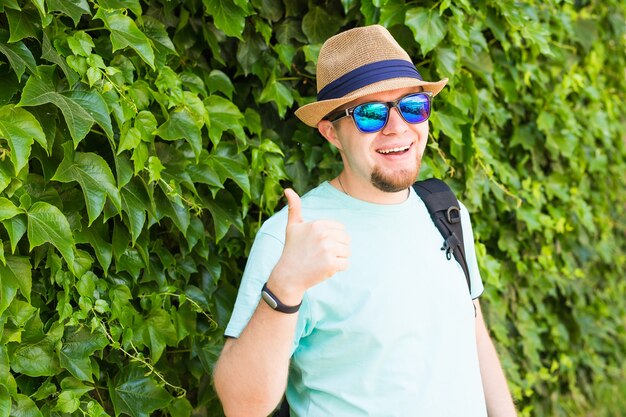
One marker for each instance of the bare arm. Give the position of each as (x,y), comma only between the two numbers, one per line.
(251,373)
(497,395)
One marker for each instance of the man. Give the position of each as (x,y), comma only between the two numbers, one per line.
(347,301)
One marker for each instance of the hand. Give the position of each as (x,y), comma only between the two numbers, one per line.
(313,252)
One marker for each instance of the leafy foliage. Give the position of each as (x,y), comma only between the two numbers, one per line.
(142,143)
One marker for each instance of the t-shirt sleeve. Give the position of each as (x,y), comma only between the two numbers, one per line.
(264,255)
(470,254)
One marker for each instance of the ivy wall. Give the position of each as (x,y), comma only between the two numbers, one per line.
(142,143)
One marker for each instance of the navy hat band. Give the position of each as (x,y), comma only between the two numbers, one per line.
(366,75)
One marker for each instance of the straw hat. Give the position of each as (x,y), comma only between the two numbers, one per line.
(359,62)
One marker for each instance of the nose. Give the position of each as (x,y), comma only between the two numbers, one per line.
(396,124)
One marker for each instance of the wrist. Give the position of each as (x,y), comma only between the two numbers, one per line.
(283,287)
(276,304)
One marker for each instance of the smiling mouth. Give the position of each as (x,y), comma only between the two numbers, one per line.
(393,151)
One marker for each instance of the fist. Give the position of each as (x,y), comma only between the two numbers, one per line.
(313,252)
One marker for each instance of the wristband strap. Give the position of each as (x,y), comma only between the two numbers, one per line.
(275,303)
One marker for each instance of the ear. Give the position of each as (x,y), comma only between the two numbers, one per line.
(328,130)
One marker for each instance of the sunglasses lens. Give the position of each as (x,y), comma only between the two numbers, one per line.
(370,117)
(415,108)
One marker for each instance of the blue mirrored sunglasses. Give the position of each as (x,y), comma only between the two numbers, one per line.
(373,116)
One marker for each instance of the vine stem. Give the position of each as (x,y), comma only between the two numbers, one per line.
(193,302)
(518,200)
(180,390)
(192,205)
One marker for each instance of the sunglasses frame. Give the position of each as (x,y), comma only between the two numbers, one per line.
(335,116)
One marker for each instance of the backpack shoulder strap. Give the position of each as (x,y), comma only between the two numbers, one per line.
(445,212)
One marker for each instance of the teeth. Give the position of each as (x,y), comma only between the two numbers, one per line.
(388,151)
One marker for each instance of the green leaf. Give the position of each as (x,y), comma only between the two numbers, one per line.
(25,407)
(135,394)
(227,16)
(9,4)
(286,54)
(132,5)
(39,89)
(123,170)
(45,390)
(319,25)
(218,81)
(481,64)
(224,115)
(287,30)
(181,125)
(156,32)
(77,346)
(204,173)
(450,125)
(95,105)
(5,401)
(226,167)
(94,176)
(45,18)
(194,84)
(447,60)
(20,129)
(251,55)
(6,173)
(17,272)
(276,92)
(140,156)
(46,224)
(94,235)
(155,167)
(21,312)
(81,43)
(393,13)
(37,357)
(224,212)
(73,8)
(10,84)
(125,33)
(16,227)
(269,9)
(67,402)
(8,209)
(180,407)
(427,27)
(21,24)
(147,124)
(94,409)
(49,53)
(168,82)
(173,207)
(8,290)
(18,54)
(135,202)
(129,140)
(157,332)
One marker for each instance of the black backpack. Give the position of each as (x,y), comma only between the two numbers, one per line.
(445,212)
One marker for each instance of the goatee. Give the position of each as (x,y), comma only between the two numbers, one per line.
(395,182)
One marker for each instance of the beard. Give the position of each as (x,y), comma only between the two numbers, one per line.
(395,181)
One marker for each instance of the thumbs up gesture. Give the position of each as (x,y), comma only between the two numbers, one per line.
(313,252)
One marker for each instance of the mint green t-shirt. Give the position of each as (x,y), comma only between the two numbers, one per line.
(394,335)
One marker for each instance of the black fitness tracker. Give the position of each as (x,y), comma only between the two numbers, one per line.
(275,303)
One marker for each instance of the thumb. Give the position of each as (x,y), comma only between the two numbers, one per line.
(295,207)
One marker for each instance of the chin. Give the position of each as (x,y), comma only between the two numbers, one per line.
(393,183)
